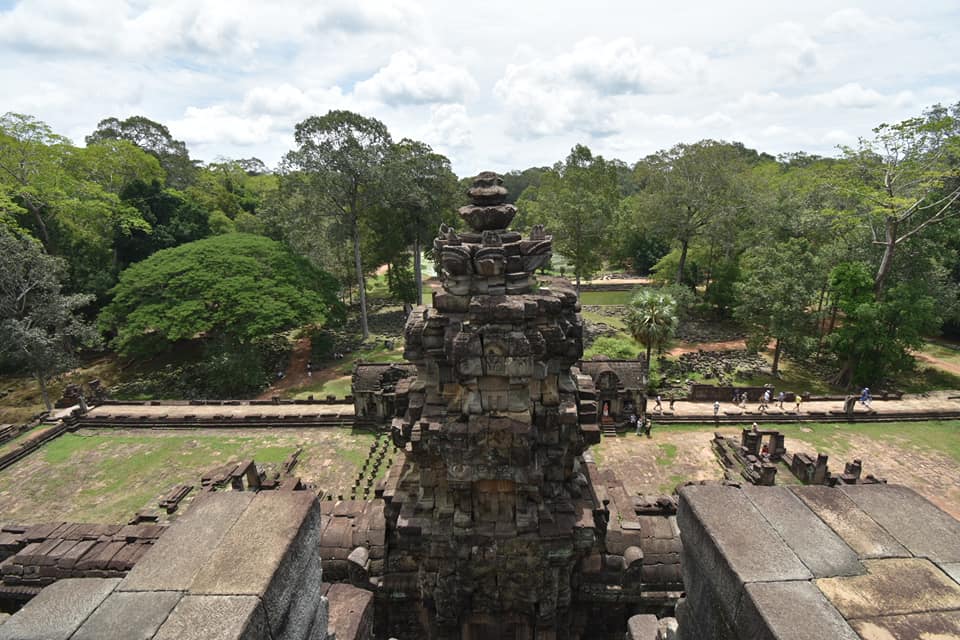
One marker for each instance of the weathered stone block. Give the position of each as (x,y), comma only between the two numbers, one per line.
(882,591)
(729,539)
(59,610)
(215,618)
(816,544)
(129,615)
(180,553)
(857,529)
(914,521)
(789,611)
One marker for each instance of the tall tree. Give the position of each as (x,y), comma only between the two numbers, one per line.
(907,177)
(775,293)
(576,200)
(652,318)
(40,327)
(422,194)
(690,188)
(155,139)
(338,169)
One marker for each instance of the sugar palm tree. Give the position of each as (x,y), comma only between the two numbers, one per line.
(652,318)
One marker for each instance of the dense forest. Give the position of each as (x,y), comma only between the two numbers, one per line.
(128,244)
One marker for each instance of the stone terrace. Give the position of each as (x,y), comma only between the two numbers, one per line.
(853,562)
(238,566)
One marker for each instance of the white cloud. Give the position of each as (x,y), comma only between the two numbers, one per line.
(449,126)
(794,50)
(588,89)
(850,96)
(205,125)
(415,78)
(855,20)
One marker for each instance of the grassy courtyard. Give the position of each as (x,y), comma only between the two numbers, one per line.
(101,475)
(922,455)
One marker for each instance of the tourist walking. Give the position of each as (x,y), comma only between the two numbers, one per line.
(798,398)
(659,404)
(865,398)
(633,423)
(716,408)
(780,398)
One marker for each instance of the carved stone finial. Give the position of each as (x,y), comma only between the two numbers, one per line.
(489,211)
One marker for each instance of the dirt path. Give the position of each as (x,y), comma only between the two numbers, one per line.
(296,373)
(727,345)
(937,362)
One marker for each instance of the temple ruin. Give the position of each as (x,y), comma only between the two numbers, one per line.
(496,528)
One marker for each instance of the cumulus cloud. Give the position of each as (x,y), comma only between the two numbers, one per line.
(794,50)
(587,88)
(351,16)
(288,101)
(855,20)
(449,126)
(198,27)
(203,125)
(854,96)
(414,78)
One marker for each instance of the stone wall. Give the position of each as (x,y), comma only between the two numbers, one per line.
(845,563)
(238,565)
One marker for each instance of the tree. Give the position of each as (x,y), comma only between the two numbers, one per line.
(691,188)
(876,336)
(40,327)
(576,201)
(69,197)
(237,288)
(907,178)
(155,139)
(652,318)
(774,295)
(422,192)
(338,170)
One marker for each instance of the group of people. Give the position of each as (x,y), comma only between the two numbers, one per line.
(740,399)
(641,425)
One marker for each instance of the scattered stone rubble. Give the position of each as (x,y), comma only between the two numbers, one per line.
(32,557)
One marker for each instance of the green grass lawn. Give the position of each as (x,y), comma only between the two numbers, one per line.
(339,387)
(102,475)
(605,297)
(942,352)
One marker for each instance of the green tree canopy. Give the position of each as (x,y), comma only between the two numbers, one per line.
(40,327)
(338,170)
(155,139)
(576,200)
(239,287)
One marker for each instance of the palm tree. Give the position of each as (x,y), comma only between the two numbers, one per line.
(652,318)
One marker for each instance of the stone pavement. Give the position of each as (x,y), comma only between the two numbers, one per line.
(232,411)
(848,563)
(934,403)
(238,566)
(940,402)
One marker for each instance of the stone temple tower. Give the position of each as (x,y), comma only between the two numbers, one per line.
(493,513)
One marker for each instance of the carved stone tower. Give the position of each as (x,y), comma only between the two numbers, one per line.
(491,513)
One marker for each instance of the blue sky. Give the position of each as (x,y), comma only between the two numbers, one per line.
(495,85)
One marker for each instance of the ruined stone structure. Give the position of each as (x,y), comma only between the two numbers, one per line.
(493,521)
(374,388)
(621,386)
